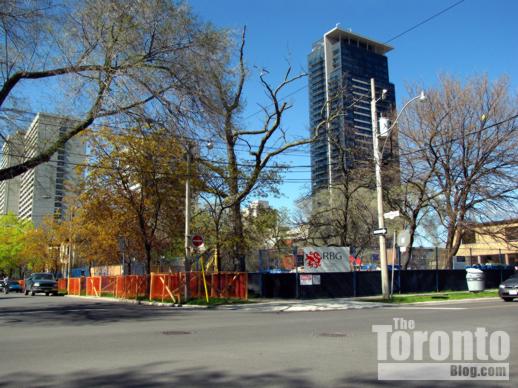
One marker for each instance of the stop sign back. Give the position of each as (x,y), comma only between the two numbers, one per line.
(197,240)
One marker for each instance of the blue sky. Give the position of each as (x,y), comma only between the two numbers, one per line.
(473,37)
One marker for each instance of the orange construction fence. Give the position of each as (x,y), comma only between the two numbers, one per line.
(74,286)
(170,287)
(62,285)
(163,287)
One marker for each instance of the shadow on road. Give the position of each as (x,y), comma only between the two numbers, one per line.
(82,313)
(146,375)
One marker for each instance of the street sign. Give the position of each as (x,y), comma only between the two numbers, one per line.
(197,240)
(403,238)
(391,215)
(378,232)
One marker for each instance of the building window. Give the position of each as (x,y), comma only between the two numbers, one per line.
(511,234)
(468,237)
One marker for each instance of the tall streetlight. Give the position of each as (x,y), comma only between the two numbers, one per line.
(385,286)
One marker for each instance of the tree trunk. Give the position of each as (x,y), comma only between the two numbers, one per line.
(449,247)
(147,247)
(238,237)
(410,249)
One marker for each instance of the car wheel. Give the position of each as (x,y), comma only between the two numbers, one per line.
(46,294)
(508,299)
(33,293)
(54,294)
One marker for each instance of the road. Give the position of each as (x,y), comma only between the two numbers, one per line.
(62,341)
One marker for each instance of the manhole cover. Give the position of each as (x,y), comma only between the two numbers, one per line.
(334,335)
(175,332)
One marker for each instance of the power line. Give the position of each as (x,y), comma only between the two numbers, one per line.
(240,148)
(291,167)
(415,26)
(424,21)
(476,132)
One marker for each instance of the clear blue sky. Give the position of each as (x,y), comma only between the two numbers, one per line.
(475,36)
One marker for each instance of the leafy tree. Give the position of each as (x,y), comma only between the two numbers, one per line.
(42,248)
(13,233)
(137,184)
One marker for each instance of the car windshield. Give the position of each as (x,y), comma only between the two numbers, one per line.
(13,282)
(43,276)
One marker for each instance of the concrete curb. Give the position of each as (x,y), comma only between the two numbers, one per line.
(141,302)
(454,301)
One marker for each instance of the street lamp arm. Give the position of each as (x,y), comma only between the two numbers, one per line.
(421,97)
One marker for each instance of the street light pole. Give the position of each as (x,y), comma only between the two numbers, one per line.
(187,261)
(385,288)
(379,194)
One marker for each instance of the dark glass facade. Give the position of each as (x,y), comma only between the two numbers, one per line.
(340,67)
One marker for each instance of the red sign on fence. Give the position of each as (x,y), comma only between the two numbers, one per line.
(197,240)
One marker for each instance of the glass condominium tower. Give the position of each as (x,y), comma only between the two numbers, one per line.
(340,67)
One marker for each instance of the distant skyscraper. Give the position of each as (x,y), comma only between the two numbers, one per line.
(340,67)
(42,189)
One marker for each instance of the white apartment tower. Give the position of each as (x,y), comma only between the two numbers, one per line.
(42,189)
(12,154)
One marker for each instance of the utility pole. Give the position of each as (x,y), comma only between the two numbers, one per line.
(379,193)
(187,245)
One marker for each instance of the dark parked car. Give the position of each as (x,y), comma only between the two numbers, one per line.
(508,290)
(11,286)
(41,283)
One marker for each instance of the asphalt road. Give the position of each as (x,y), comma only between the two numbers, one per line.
(60,341)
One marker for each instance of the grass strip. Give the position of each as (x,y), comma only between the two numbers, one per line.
(435,297)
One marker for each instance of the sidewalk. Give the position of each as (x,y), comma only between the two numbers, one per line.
(261,305)
(290,305)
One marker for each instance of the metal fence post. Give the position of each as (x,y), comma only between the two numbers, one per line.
(500,262)
(354,283)
(437,269)
(399,272)
(297,291)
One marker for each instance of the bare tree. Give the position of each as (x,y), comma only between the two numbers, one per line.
(223,102)
(99,58)
(413,196)
(465,139)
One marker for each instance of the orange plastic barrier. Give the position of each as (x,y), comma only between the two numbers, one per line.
(93,286)
(62,285)
(163,287)
(170,287)
(74,286)
(131,286)
(108,285)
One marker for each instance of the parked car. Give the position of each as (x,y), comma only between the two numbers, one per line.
(11,286)
(43,282)
(508,290)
